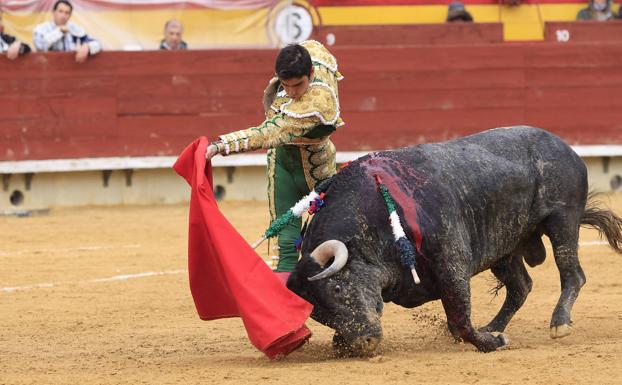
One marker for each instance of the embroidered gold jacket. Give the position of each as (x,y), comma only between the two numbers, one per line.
(290,121)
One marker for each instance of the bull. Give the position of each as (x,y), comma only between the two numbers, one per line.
(471,204)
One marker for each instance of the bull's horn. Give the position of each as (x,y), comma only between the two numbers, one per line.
(324,252)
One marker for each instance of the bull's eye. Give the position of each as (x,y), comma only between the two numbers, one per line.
(337,289)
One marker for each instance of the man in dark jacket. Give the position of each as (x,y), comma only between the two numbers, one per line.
(10,45)
(456,12)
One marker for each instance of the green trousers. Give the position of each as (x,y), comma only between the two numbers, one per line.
(286,186)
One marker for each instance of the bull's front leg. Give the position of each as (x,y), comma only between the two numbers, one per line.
(456,299)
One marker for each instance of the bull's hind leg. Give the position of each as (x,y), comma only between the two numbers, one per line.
(512,273)
(564,234)
(456,299)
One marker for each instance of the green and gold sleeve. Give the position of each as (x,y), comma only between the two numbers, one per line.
(273,132)
(287,122)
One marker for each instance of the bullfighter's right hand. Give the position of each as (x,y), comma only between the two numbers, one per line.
(211,151)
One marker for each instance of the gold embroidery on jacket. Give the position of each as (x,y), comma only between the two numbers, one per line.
(289,120)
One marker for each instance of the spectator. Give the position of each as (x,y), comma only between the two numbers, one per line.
(173,30)
(599,10)
(10,44)
(60,35)
(457,13)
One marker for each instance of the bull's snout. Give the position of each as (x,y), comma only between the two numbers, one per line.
(366,345)
(361,346)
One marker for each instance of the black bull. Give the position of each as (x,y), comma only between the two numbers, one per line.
(479,202)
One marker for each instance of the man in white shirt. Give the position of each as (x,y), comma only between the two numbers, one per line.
(60,35)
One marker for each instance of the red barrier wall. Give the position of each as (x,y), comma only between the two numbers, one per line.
(154,103)
(584,31)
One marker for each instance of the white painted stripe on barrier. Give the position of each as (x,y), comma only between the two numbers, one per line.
(138,163)
(68,249)
(119,163)
(598,150)
(248,159)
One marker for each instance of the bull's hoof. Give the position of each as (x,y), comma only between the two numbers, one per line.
(503,339)
(489,342)
(561,331)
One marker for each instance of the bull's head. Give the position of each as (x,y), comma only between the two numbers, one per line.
(345,293)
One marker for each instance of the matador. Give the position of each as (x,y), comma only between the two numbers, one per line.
(302,110)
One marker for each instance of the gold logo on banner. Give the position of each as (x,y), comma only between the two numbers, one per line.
(291,22)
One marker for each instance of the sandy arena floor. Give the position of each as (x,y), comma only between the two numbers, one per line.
(100,296)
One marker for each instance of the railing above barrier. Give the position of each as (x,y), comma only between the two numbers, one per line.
(411,34)
(240,160)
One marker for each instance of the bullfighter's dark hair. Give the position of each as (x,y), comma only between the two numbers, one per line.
(293,61)
(58,2)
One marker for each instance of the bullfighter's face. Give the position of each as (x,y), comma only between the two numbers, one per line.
(349,302)
(296,87)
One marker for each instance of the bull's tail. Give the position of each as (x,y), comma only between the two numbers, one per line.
(604,220)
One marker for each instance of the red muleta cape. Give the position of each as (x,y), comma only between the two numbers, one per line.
(227,277)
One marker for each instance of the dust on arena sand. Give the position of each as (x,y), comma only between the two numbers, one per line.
(100,295)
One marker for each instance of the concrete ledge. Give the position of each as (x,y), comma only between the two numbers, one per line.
(137,163)
(599,150)
(255,159)
(118,163)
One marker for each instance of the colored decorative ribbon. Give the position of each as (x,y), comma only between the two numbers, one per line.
(312,203)
(403,243)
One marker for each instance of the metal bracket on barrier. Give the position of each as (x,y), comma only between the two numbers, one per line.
(128,176)
(28,180)
(5,181)
(230,171)
(606,161)
(106,177)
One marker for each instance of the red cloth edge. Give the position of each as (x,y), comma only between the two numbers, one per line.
(227,278)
